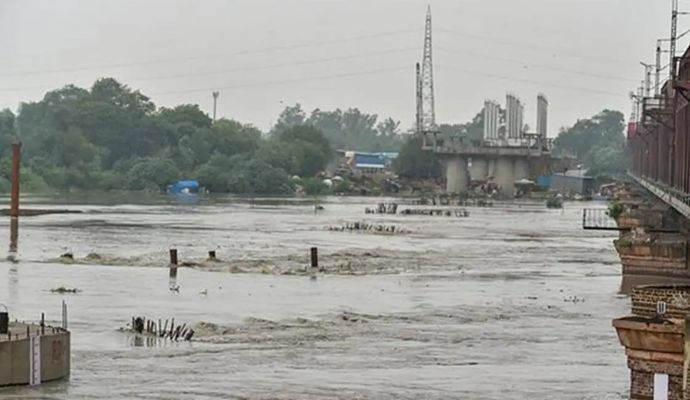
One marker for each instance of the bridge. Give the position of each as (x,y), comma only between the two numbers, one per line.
(504,155)
(503,162)
(652,215)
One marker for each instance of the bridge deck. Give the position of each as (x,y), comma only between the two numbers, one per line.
(679,201)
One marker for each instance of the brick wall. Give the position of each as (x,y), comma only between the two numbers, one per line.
(663,250)
(677,298)
(642,378)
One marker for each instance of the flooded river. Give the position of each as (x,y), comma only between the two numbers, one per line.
(456,308)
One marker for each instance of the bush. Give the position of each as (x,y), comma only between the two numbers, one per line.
(314,186)
(152,174)
(615,210)
(341,187)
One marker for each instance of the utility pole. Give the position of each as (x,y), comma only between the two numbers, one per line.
(647,78)
(215,104)
(657,72)
(674,33)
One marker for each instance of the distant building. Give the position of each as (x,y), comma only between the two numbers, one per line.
(369,163)
(572,181)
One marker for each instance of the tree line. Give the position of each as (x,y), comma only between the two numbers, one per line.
(598,143)
(112,137)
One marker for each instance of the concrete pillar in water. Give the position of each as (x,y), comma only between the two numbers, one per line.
(505,177)
(521,169)
(479,169)
(456,175)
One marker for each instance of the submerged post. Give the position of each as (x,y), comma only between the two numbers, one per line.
(314,257)
(173,263)
(14,199)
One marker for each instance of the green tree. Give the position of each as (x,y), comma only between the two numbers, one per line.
(279,155)
(605,128)
(110,91)
(152,173)
(289,117)
(606,161)
(349,129)
(7,132)
(309,147)
(597,142)
(232,137)
(186,113)
(415,163)
(388,128)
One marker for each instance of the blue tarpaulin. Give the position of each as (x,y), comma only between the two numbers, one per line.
(544,181)
(186,186)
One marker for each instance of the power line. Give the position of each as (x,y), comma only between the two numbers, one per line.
(283,82)
(250,68)
(539,66)
(382,70)
(535,82)
(528,46)
(274,66)
(194,58)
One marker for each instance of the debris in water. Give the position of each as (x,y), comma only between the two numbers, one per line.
(383,208)
(367,227)
(143,326)
(460,213)
(63,290)
(93,257)
(574,300)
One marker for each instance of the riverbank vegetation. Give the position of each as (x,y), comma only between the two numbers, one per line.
(112,137)
(597,142)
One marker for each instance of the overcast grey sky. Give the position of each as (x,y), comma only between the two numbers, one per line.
(265,54)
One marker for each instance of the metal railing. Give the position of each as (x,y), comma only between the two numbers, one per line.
(598,219)
(672,196)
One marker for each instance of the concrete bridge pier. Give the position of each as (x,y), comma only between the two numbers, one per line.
(456,174)
(521,169)
(505,176)
(479,169)
(491,167)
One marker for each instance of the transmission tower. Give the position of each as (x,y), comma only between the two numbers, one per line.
(428,118)
(418,100)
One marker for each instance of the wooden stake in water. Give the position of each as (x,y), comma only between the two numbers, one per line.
(314,257)
(173,263)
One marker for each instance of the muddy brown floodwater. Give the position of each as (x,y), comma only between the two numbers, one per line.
(514,302)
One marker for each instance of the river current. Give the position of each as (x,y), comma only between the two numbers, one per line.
(513,302)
